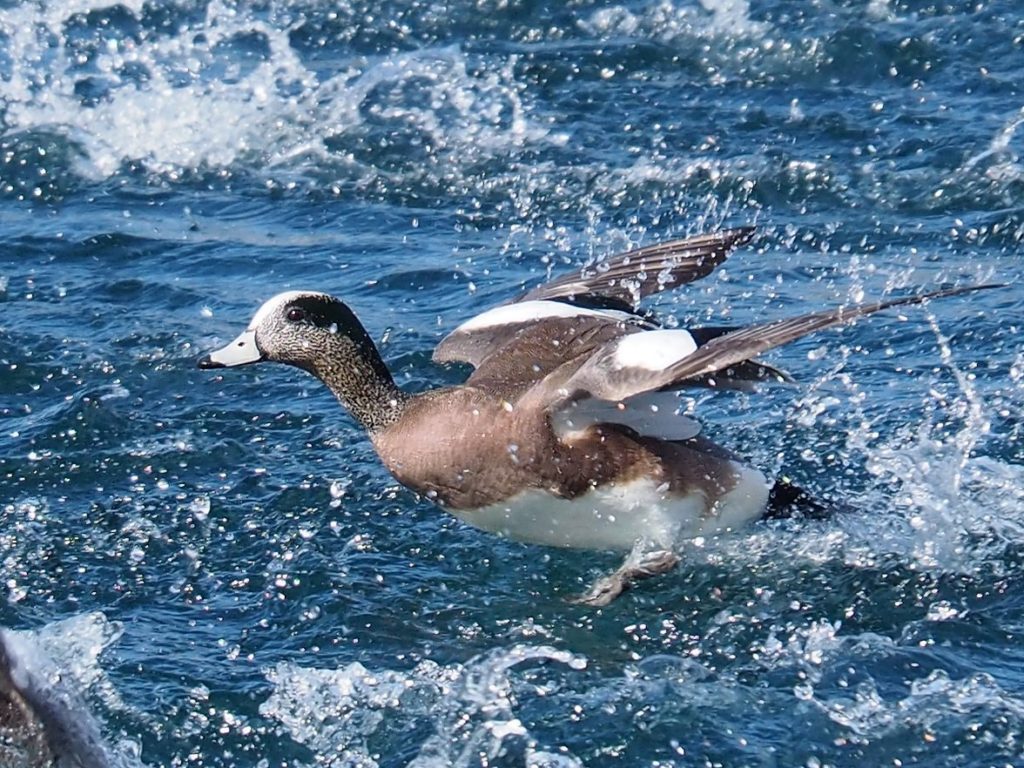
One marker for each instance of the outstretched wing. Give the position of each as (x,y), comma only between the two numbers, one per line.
(498,329)
(643,362)
(623,280)
(604,294)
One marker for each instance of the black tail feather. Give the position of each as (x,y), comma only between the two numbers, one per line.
(786,500)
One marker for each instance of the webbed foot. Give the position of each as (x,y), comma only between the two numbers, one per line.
(649,564)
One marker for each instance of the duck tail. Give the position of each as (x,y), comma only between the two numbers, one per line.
(786,500)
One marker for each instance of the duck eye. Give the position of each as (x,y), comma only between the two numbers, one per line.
(296,315)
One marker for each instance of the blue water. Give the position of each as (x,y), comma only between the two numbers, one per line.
(232,577)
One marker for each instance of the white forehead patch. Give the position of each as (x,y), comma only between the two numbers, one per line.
(653,350)
(271,305)
(533,311)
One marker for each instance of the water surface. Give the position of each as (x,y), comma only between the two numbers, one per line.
(233,578)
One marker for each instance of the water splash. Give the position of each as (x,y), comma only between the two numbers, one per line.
(59,663)
(667,21)
(1004,163)
(936,707)
(467,711)
(228,90)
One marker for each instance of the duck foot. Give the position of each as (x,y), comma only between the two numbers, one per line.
(606,589)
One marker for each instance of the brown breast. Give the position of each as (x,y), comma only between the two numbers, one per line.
(465,449)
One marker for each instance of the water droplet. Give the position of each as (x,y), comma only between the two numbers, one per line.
(340,487)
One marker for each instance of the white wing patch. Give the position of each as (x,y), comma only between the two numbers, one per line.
(531,311)
(652,414)
(653,350)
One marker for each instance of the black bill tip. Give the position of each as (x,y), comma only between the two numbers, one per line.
(206,362)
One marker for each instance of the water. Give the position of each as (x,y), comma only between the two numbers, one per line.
(233,578)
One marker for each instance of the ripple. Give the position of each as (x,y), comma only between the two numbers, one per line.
(164,168)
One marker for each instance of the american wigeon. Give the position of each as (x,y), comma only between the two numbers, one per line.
(567,433)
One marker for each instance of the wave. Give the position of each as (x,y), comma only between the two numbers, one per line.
(119,89)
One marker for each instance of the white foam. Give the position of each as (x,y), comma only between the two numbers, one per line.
(59,665)
(181,102)
(1000,143)
(76,644)
(467,709)
(934,699)
(668,22)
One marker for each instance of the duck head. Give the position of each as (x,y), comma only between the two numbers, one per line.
(319,334)
(301,328)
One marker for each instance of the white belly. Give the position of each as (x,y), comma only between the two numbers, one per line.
(618,516)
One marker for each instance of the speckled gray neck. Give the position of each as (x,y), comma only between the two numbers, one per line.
(364,386)
(322,335)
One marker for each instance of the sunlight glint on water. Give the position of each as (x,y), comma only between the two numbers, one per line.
(222,564)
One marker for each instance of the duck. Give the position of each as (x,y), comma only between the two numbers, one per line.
(568,432)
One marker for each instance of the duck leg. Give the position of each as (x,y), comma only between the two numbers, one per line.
(635,568)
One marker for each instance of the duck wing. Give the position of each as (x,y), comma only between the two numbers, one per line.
(481,337)
(630,365)
(604,294)
(623,280)
(516,361)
